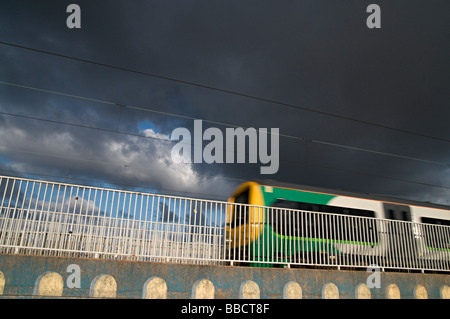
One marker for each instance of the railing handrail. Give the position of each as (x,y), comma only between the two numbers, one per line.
(44,220)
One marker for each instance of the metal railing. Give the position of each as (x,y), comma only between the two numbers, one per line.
(285,237)
(57,219)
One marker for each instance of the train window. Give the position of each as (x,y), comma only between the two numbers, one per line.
(242,198)
(398,215)
(323,208)
(433,234)
(338,226)
(397,212)
(240,212)
(435,221)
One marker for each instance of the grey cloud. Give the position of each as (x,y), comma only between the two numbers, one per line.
(314,54)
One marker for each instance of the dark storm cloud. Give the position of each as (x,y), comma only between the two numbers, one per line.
(314,54)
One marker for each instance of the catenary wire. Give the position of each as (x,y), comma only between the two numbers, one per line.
(165,191)
(227,124)
(200,175)
(249,96)
(207,121)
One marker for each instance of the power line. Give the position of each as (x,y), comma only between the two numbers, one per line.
(83,126)
(227,124)
(117,183)
(381,153)
(101,162)
(193,118)
(249,96)
(334,168)
(215,122)
(98,162)
(200,175)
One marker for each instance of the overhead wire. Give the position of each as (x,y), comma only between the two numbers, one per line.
(123,185)
(102,162)
(204,120)
(217,122)
(166,140)
(217,89)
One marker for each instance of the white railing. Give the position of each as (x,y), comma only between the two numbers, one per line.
(286,237)
(47,218)
(56,219)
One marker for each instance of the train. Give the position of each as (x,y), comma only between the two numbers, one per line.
(272,224)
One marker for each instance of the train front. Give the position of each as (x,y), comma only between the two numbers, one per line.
(245,222)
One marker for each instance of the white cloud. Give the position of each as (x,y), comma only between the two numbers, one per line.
(132,160)
(151,133)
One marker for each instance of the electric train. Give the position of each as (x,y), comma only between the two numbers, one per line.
(272,224)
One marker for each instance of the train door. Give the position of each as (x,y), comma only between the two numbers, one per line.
(402,245)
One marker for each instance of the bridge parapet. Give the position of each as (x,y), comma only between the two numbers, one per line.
(45,277)
(56,219)
(61,240)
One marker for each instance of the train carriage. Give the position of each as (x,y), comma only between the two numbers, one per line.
(274,223)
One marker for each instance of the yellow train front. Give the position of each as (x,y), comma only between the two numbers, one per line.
(274,224)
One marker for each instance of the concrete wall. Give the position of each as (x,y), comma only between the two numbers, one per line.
(33,276)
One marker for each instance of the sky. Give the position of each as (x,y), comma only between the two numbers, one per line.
(358,109)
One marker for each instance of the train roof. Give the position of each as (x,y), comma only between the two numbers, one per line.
(339,192)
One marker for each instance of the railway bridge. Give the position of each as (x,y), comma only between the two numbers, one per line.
(72,241)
